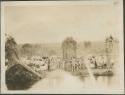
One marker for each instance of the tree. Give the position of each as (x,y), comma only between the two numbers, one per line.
(109,44)
(69,46)
(52,52)
(87,44)
(109,47)
(27,49)
(11,52)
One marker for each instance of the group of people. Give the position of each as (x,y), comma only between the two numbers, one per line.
(100,62)
(73,64)
(54,62)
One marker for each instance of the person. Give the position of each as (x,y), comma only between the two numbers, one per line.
(94,61)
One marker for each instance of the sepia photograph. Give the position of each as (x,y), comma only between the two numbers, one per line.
(62,47)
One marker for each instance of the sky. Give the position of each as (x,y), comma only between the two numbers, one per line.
(53,23)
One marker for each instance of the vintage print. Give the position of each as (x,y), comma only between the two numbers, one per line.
(62,47)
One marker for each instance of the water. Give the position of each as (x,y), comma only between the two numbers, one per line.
(60,81)
(90,73)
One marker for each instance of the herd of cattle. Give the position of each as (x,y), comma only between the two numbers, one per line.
(41,64)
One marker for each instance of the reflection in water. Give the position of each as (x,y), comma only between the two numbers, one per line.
(101,82)
(60,81)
